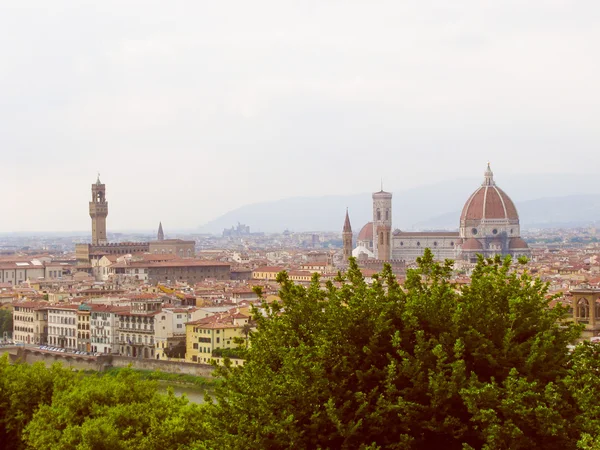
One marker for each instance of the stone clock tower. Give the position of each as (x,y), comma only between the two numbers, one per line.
(382,225)
(98,213)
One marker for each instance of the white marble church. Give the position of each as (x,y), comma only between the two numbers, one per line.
(489,225)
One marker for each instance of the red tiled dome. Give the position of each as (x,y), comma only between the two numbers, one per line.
(366,232)
(517,243)
(489,202)
(472,244)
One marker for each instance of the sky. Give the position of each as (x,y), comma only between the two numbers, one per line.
(190,109)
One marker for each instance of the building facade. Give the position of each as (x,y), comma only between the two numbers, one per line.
(488,225)
(62,326)
(136,329)
(219,331)
(30,323)
(170,330)
(104,323)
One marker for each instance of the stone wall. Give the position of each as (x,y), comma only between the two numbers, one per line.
(201,370)
(104,362)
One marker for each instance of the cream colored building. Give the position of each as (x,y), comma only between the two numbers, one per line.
(169,330)
(16,272)
(30,322)
(62,326)
(136,329)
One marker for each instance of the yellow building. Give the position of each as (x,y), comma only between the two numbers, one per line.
(219,331)
(266,273)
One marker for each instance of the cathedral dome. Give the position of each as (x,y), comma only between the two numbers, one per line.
(489,202)
(366,232)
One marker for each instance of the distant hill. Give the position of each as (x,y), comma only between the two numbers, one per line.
(542,201)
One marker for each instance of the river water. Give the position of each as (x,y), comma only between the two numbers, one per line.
(195,394)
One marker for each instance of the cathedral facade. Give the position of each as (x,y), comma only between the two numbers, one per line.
(488,225)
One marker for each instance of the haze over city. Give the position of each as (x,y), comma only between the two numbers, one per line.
(190,110)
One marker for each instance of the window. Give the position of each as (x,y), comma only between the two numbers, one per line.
(218,340)
(178,325)
(583,309)
(495,231)
(378,214)
(474,231)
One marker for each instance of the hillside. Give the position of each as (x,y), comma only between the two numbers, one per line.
(542,200)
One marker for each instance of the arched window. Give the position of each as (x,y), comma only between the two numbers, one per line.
(381,238)
(378,214)
(583,308)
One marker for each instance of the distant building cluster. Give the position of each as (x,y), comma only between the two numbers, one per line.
(237,231)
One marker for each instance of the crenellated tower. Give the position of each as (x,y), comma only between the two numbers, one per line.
(382,225)
(347,238)
(98,213)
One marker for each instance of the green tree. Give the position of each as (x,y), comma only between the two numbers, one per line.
(424,366)
(121,412)
(6,322)
(23,388)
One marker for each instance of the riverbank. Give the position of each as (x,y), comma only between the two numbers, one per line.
(195,388)
(174,378)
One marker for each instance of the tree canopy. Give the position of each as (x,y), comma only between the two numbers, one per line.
(427,365)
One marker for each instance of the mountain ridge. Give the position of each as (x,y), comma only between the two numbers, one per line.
(542,201)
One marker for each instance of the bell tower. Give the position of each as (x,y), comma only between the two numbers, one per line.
(98,213)
(347,238)
(382,225)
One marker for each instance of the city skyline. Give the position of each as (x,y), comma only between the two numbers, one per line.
(200,111)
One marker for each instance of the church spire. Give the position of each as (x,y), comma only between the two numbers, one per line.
(347,238)
(488,177)
(347,227)
(161,234)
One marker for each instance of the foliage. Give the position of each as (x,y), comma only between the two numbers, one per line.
(53,408)
(6,322)
(236,352)
(121,412)
(424,366)
(23,388)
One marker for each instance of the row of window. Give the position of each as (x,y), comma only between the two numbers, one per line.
(23,319)
(66,343)
(65,320)
(61,331)
(25,329)
(202,349)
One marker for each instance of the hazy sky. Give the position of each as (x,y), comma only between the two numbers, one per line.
(190,109)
